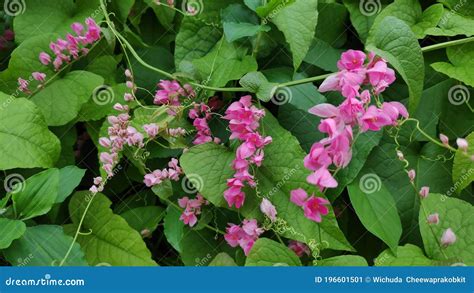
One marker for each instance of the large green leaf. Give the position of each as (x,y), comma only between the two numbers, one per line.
(173,227)
(38,196)
(223,260)
(44,245)
(393,40)
(77,86)
(453,24)
(411,13)
(407,255)
(239,22)
(69,179)
(52,16)
(10,230)
(224,62)
(462,61)
(25,140)
(111,240)
(362,19)
(298,23)
(323,55)
(344,260)
(266,252)
(198,248)
(455,214)
(463,166)
(376,208)
(256,82)
(102,101)
(144,218)
(463,7)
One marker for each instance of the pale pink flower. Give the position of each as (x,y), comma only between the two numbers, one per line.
(424,192)
(462,144)
(448,238)
(444,139)
(44,58)
(433,219)
(268,209)
(299,248)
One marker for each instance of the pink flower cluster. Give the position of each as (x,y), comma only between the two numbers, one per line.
(192,208)
(170,92)
(65,50)
(299,248)
(243,236)
(156,177)
(120,134)
(201,114)
(314,207)
(243,122)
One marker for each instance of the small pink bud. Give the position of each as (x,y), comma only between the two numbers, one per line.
(448,237)
(97,180)
(400,156)
(433,219)
(129,84)
(93,189)
(268,209)
(444,139)
(128,73)
(151,129)
(462,144)
(44,58)
(39,76)
(412,175)
(425,190)
(105,142)
(120,107)
(128,97)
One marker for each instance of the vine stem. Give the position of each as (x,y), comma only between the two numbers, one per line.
(446,44)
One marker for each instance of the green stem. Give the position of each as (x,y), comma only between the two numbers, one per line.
(304,80)
(446,44)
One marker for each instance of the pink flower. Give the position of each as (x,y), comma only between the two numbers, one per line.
(77,28)
(317,158)
(244,236)
(374,119)
(93,31)
(322,178)
(351,60)
(313,206)
(268,209)
(23,85)
(39,76)
(151,129)
(234,196)
(424,192)
(299,248)
(192,208)
(412,175)
(433,219)
(448,238)
(44,58)
(462,144)
(444,139)
(380,76)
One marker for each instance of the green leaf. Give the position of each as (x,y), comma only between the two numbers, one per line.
(44,245)
(111,240)
(144,218)
(164,14)
(322,55)
(297,21)
(225,62)
(105,66)
(69,178)
(122,8)
(253,4)
(10,230)
(407,255)
(194,40)
(60,15)
(360,19)
(173,227)
(239,22)
(163,190)
(384,162)
(344,261)
(271,7)
(462,61)
(393,40)
(455,214)
(465,8)
(453,24)
(411,13)
(77,86)
(256,82)
(25,139)
(332,24)
(38,196)
(463,166)
(198,248)
(266,252)
(223,260)
(376,208)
